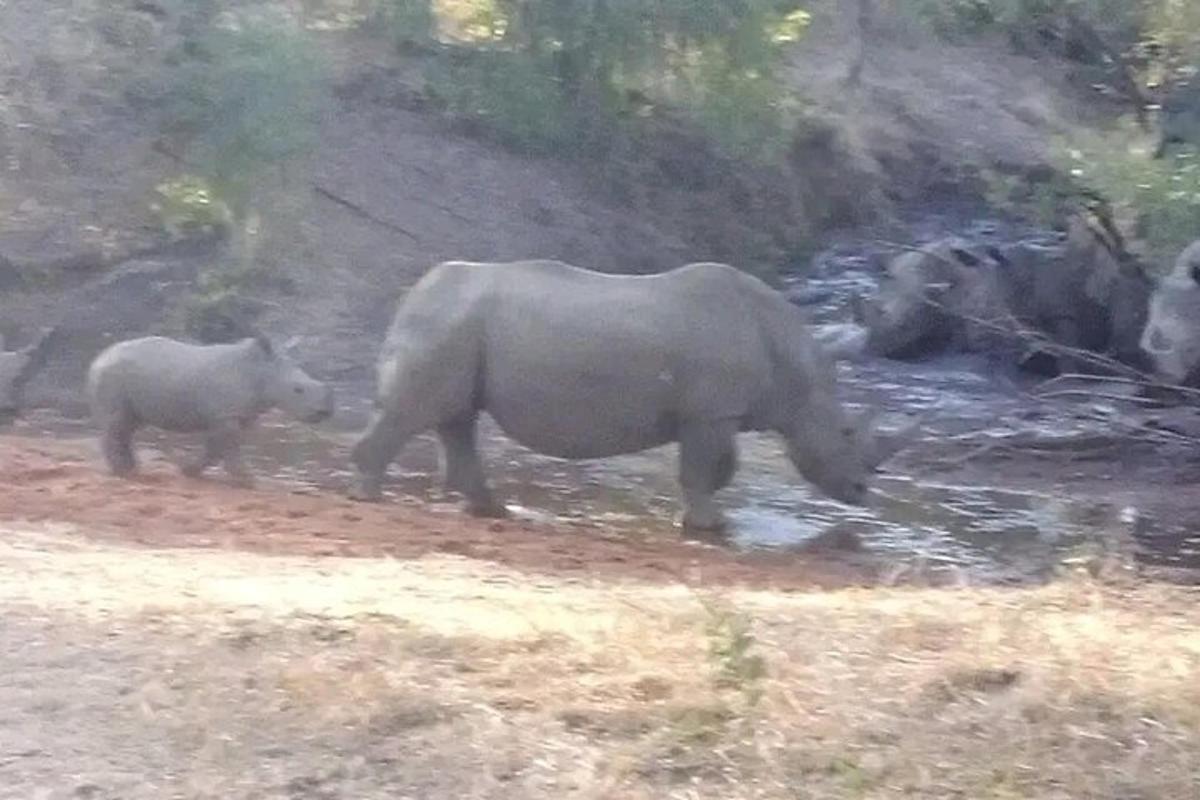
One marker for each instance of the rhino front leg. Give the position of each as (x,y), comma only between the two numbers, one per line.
(707,461)
(463,471)
(223,444)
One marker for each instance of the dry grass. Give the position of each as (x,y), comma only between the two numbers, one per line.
(450,678)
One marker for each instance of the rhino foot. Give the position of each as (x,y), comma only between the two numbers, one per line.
(487,509)
(193,469)
(702,525)
(242,481)
(366,490)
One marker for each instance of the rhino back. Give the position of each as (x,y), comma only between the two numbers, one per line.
(175,385)
(582,364)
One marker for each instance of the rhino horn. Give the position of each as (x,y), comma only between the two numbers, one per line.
(886,445)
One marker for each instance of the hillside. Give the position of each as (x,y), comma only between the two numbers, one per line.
(393,186)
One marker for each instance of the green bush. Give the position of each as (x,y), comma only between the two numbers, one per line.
(412,23)
(515,100)
(187,207)
(1159,197)
(563,75)
(218,308)
(245,98)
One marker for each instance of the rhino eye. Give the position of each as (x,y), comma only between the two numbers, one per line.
(298,389)
(848,433)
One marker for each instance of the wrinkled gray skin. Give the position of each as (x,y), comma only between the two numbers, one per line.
(577,364)
(1172,334)
(218,390)
(17,368)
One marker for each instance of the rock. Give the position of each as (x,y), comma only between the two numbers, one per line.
(809,296)
(133,300)
(954,295)
(844,341)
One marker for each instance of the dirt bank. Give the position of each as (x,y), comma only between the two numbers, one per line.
(62,482)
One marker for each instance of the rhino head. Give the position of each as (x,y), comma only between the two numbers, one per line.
(838,451)
(1171,337)
(17,368)
(288,387)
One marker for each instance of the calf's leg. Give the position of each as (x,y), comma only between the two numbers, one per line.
(223,444)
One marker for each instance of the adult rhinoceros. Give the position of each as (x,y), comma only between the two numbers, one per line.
(578,364)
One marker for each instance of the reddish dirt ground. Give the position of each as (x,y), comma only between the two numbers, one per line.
(56,481)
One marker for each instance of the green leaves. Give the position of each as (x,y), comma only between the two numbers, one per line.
(247,101)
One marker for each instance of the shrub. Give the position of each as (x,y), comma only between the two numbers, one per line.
(245,98)
(565,74)
(187,207)
(1160,197)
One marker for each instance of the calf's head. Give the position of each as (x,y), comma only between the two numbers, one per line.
(288,387)
(1171,337)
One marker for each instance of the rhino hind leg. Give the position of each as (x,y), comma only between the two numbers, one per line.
(462,468)
(375,450)
(116,442)
(707,461)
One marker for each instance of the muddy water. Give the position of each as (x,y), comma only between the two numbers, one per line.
(990,533)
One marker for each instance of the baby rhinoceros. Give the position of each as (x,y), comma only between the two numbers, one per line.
(217,389)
